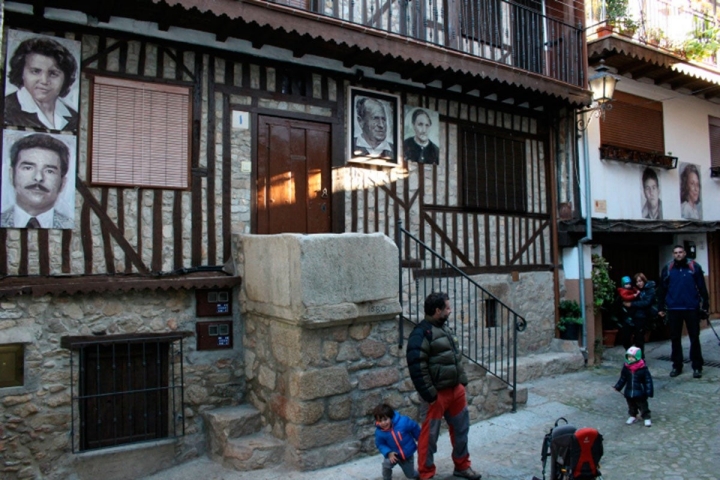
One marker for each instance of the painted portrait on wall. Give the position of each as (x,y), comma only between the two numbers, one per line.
(422,133)
(38,180)
(373,127)
(690,192)
(651,202)
(42,82)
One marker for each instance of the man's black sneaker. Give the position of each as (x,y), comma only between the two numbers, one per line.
(467,473)
(675,372)
(697,373)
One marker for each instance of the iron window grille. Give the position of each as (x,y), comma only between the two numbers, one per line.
(125,389)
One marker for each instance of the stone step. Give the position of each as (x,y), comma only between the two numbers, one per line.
(224,424)
(253,452)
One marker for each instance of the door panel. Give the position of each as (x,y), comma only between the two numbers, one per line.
(713,271)
(631,259)
(293,184)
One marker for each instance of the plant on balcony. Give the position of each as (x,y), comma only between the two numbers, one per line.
(704,41)
(655,36)
(628,26)
(615,11)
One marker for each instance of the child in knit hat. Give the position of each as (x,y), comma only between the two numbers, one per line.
(638,383)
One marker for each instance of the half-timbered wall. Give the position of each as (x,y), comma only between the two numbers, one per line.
(427,198)
(121,230)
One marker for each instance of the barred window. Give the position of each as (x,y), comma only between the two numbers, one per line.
(714,125)
(139,134)
(125,389)
(493,171)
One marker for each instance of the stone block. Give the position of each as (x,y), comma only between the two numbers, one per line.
(339,408)
(253,452)
(328,456)
(326,382)
(302,413)
(306,437)
(228,423)
(381,377)
(372,348)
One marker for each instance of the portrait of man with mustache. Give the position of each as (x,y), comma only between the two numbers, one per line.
(38,173)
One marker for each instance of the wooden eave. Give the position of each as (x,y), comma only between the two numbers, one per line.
(303,32)
(640,61)
(577,227)
(55,285)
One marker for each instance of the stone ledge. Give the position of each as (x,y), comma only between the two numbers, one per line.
(131,461)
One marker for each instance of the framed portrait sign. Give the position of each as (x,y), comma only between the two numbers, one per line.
(38,180)
(42,82)
(690,192)
(374,132)
(422,135)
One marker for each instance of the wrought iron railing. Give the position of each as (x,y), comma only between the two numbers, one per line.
(486,327)
(126,391)
(678,26)
(495,30)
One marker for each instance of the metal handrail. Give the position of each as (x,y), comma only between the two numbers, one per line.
(485,326)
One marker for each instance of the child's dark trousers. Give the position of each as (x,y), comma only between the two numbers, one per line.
(640,405)
(407,465)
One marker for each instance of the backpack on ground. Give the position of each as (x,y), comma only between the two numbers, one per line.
(574,454)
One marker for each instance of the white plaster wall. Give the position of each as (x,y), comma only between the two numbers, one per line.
(686,137)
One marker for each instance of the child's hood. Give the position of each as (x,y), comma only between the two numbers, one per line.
(635,366)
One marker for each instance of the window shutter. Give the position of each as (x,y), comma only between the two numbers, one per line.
(714,142)
(634,122)
(140,134)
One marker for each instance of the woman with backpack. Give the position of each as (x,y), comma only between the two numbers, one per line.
(643,311)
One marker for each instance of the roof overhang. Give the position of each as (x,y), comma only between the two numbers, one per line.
(639,226)
(38,286)
(662,67)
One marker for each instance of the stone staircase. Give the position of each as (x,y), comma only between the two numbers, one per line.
(235,439)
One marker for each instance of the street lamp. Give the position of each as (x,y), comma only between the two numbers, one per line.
(602,84)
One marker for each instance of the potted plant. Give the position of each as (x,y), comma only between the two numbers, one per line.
(704,41)
(603,296)
(655,36)
(628,26)
(615,11)
(570,320)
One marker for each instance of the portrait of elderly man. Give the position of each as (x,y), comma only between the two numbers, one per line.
(38,173)
(375,135)
(690,192)
(418,147)
(652,206)
(43,71)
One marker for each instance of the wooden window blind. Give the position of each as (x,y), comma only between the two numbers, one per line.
(634,122)
(140,134)
(714,124)
(493,172)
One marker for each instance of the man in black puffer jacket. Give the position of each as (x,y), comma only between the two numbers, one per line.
(434,360)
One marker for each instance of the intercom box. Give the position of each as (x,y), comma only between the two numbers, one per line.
(214,335)
(213,303)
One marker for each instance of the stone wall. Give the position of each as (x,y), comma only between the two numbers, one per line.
(36,418)
(319,355)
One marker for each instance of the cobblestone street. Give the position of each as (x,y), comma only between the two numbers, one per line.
(682,444)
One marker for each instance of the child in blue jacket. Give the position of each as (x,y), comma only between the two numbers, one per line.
(396,437)
(638,383)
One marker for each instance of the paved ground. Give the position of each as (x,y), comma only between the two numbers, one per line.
(682,444)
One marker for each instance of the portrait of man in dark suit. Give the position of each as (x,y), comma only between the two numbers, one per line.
(38,188)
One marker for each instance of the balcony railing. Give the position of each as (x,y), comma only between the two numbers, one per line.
(676,26)
(494,30)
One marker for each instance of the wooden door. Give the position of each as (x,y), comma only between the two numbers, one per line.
(293,180)
(629,259)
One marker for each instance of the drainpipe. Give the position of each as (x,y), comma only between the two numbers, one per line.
(586,239)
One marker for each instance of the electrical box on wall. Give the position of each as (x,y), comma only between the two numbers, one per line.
(213,303)
(690,249)
(214,335)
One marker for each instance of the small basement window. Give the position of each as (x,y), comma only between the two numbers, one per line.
(12,365)
(125,389)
